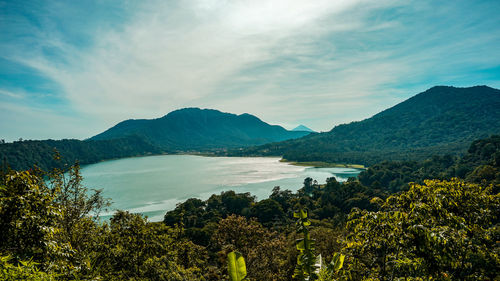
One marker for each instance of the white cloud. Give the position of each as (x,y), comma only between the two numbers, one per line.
(168,56)
(11,94)
(325,62)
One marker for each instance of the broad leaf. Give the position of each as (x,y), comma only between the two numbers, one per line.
(236,266)
(301,214)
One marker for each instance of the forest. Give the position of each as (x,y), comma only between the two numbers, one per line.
(24,154)
(435,219)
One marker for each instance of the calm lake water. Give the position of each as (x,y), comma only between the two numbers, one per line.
(153,185)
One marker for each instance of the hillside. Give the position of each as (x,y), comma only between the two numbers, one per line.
(441,120)
(201,129)
(480,163)
(22,155)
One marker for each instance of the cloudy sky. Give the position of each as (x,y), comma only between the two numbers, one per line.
(71,69)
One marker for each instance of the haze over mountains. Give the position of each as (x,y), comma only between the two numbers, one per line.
(441,120)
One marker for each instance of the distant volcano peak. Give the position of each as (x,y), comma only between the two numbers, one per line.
(303,128)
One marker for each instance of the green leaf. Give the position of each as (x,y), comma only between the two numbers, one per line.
(336,264)
(339,261)
(300,245)
(236,266)
(301,214)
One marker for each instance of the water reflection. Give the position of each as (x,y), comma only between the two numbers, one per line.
(152,185)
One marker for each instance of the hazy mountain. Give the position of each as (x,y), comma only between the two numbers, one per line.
(201,129)
(302,128)
(441,120)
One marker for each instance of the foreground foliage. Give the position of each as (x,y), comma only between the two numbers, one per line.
(236,266)
(306,268)
(433,230)
(47,234)
(444,230)
(25,270)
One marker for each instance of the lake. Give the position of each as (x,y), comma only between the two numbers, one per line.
(153,185)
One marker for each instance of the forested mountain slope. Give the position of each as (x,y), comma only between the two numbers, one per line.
(480,163)
(441,120)
(22,155)
(201,129)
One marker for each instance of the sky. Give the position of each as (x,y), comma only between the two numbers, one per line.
(72,69)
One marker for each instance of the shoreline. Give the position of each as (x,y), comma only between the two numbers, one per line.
(315,164)
(320,164)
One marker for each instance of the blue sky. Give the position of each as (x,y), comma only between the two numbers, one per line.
(71,69)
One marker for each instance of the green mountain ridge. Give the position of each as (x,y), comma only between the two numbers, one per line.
(441,120)
(201,129)
(184,130)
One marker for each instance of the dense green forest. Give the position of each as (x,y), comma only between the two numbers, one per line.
(23,155)
(481,162)
(380,226)
(439,121)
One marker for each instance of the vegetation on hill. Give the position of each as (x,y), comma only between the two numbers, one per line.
(23,155)
(197,129)
(439,230)
(480,163)
(439,121)
(186,130)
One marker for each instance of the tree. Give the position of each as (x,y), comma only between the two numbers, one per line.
(309,185)
(28,216)
(266,252)
(283,197)
(77,203)
(134,249)
(267,211)
(444,230)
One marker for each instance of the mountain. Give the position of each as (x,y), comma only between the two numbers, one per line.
(189,129)
(441,120)
(302,128)
(200,129)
